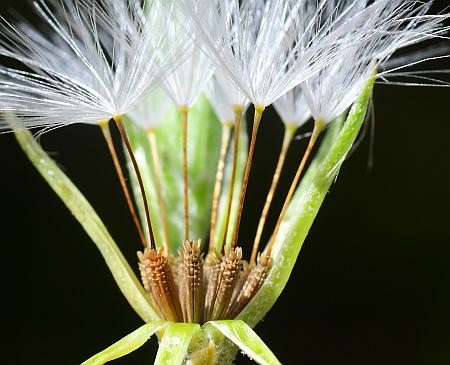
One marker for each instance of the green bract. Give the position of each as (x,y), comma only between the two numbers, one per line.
(305,206)
(127,344)
(88,218)
(173,348)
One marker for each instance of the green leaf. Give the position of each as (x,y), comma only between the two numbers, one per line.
(204,139)
(127,344)
(305,207)
(89,220)
(223,202)
(247,340)
(175,342)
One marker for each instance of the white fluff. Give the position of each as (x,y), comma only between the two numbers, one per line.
(102,59)
(150,112)
(267,48)
(231,92)
(293,108)
(188,80)
(221,105)
(393,24)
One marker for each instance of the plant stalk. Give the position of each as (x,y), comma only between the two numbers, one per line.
(289,133)
(184,119)
(226,136)
(259,110)
(238,111)
(319,125)
(158,173)
(123,133)
(112,151)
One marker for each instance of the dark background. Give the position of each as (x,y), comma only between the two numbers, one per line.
(371,286)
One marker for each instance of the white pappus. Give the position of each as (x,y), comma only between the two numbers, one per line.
(96,65)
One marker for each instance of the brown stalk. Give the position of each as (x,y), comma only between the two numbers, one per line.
(158,173)
(226,134)
(289,133)
(125,139)
(318,128)
(256,122)
(112,151)
(184,118)
(238,111)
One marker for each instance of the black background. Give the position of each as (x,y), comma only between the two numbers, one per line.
(371,286)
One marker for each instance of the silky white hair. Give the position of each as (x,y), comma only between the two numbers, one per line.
(101,59)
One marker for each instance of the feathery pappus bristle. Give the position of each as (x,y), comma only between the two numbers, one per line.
(390,26)
(99,61)
(187,81)
(293,108)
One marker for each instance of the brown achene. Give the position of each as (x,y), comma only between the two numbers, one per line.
(190,288)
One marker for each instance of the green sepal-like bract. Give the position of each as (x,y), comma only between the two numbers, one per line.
(247,340)
(74,200)
(175,343)
(174,346)
(127,344)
